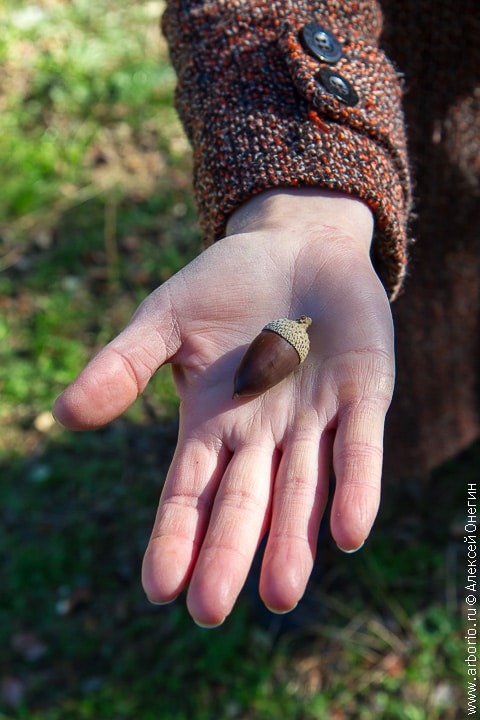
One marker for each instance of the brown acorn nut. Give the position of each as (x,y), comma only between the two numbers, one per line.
(280,347)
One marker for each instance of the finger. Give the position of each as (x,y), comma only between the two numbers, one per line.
(357,463)
(116,376)
(299,499)
(182,518)
(235,530)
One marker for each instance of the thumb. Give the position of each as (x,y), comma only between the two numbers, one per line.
(116,376)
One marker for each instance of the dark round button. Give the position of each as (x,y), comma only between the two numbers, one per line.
(322,43)
(338,86)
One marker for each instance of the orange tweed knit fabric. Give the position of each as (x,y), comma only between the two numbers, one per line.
(258,117)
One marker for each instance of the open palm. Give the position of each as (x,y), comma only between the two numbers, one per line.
(249,465)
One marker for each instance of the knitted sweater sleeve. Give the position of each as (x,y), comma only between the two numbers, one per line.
(259,115)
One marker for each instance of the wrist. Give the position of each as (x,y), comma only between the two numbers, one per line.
(305,210)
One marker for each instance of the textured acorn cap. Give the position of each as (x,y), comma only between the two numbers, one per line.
(294,332)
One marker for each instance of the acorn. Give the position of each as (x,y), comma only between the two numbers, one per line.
(281,346)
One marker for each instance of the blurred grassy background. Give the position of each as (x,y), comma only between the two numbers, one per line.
(95,212)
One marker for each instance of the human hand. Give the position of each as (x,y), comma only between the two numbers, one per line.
(247,466)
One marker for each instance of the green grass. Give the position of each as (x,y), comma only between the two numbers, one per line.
(95,212)
(78,79)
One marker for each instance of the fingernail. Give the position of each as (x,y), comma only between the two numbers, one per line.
(350,552)
(208,626)
(281,612)
(56,418)
(167,602)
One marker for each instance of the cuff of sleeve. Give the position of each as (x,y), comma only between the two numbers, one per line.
(259,118)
